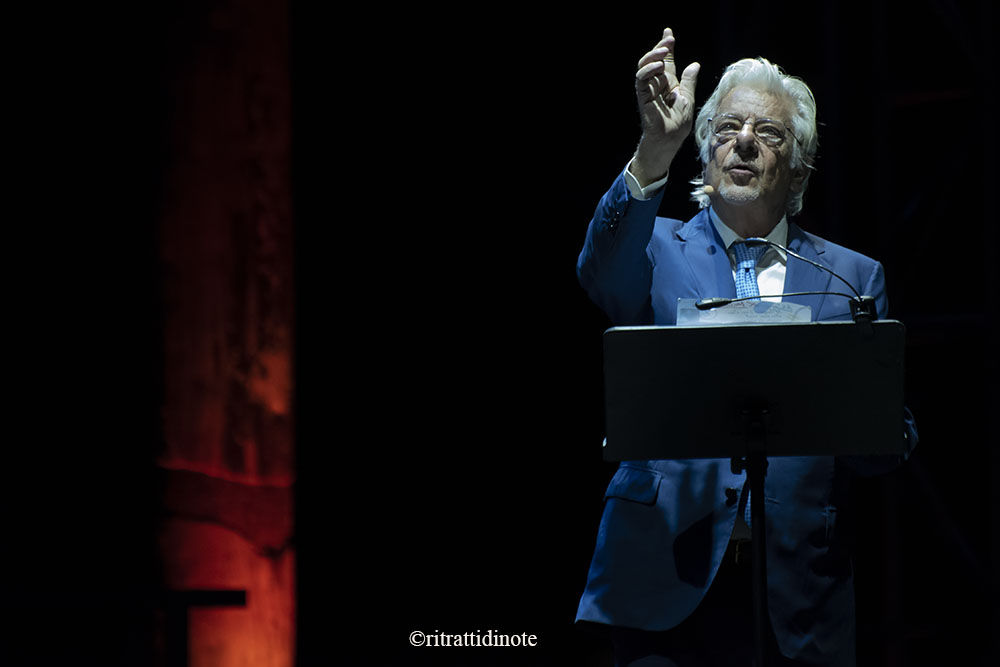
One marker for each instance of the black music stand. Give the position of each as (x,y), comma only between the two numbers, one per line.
(749,392)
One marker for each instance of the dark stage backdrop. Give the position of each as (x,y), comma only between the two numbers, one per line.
(449,365)
(442,167)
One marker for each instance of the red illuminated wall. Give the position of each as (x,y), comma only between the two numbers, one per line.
(226,274)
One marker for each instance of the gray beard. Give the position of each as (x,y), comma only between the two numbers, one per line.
(739,194)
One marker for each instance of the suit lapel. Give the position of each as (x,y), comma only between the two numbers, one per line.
(803,277)
(710,270)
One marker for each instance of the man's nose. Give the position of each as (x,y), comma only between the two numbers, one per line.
(746,140)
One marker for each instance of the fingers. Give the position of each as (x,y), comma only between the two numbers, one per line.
(667,40)
(652,63)
(652,80)
(662,53)
(689,79)
(650,70)
(656,78)
(667,44)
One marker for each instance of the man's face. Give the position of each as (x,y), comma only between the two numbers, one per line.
(745,170)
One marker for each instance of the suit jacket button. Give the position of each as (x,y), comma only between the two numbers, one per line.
(731,497)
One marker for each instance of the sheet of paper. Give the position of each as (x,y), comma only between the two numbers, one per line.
(742,312)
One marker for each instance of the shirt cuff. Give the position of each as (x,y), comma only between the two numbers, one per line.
(639,192)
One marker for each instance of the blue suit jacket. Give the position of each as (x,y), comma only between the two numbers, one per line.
(667,524)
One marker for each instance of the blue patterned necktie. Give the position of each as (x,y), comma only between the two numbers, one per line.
(746,285)
(746,268)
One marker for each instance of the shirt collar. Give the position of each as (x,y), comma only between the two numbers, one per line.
(777,235)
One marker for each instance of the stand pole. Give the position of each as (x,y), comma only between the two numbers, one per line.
(756,469)
(755,465)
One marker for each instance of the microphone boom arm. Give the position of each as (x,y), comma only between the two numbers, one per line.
(758,241)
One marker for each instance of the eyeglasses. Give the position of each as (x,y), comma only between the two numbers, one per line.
(770,132)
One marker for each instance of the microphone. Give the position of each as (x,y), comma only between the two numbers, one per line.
(862,307)
(719,301)
(707,189)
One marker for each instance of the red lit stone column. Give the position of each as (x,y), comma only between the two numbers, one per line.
(227,267)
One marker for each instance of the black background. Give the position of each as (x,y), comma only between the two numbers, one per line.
(450,389)
(449,415)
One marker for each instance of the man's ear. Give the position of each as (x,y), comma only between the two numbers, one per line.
(799,177)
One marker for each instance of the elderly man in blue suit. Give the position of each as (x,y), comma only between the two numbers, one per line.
(669,574)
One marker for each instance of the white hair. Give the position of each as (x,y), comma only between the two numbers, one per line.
(760,74)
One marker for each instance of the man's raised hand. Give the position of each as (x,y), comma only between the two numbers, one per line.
(666,109)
